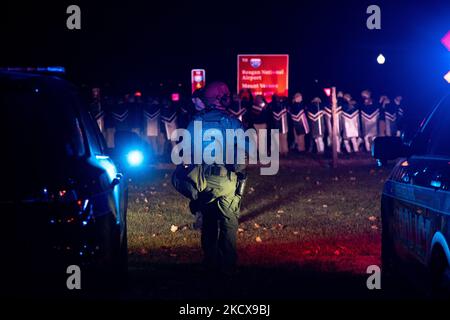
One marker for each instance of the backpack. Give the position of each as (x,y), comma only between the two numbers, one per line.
(216,121)
(189,180)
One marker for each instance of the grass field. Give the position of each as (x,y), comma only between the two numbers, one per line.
(308,217)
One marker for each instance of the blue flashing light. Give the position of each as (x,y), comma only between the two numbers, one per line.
(135,158)
(84,223)
(55,69)
(51,69)
(436,184)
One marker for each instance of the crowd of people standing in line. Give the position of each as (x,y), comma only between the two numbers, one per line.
(303,126)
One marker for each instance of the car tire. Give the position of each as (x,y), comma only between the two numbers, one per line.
(439,267)
(108,273)
(121,261)
(390,262)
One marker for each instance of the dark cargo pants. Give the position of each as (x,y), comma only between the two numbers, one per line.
(220,222)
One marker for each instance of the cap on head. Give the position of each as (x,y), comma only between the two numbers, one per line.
(347,97)
(298,97)
(316,100)
(384,99)
(245,94)
(366,94)
(96,92)
(259,100)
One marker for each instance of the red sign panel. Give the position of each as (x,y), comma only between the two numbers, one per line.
(264,74)
(198,79)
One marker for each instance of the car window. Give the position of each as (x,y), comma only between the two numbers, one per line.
(427,135)
(41,118)
(99,134)
(89,125)
(440,135)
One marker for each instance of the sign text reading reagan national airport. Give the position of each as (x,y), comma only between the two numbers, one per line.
(264,74)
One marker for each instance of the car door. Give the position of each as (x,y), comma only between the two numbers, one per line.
(115,182)
(439,180)
(121,187)
(420,188)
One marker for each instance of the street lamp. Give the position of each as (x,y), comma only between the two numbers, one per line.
(381,59)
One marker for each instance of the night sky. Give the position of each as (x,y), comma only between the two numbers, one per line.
(134,44)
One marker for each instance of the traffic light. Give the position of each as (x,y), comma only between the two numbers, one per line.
(198,79)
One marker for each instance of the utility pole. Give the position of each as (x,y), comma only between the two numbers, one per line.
(335,139)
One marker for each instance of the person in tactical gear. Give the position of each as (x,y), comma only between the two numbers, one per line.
(279,121)
(390,117)
(185,110)
(300,124)
(109,121)
(370,114)
(135,109)
(350,124)
(400,110)
(197,101)
(169,117)
(246,99)
(236,109)
(317,124)
(120,115)
(215,189)
(152,115)
(259,119)
(328,114)
(382,102)
(96,109)
(365,94)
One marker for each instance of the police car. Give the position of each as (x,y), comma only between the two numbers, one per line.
(416,202)
(62,199)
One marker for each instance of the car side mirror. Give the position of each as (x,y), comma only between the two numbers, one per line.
(388,148)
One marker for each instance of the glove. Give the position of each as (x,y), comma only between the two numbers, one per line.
(194,206)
